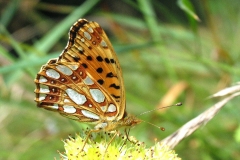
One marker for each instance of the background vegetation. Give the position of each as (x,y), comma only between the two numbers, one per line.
(167,55)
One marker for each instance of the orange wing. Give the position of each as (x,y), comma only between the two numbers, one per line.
(85,83)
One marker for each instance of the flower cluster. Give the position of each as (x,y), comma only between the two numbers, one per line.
(98,147)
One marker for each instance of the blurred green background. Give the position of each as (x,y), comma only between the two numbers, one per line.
(166,53)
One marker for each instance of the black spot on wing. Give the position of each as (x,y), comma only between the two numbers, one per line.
(112,61)
(100,70)
(109,75)
(76,59)
(115,96)
(84,65)
(99,58)
(107,60)
(114,86)
(81,51)
(100,81)
(89,58)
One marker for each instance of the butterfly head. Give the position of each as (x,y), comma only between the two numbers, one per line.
(130,120)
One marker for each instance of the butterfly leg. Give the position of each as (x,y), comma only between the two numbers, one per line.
(127,131)
(127,138)
(88,135)
(115,134)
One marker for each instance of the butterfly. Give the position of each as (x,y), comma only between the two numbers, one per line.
(85,82)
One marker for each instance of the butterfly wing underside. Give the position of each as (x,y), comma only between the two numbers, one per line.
(85,82)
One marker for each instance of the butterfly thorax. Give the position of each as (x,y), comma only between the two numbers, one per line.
(128,120)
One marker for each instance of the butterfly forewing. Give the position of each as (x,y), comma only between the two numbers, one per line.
(90,47)
(85,83)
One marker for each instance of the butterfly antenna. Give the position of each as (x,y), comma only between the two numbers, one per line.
(177,104)
(162,128)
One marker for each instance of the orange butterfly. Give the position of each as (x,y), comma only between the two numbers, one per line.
(85,82)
